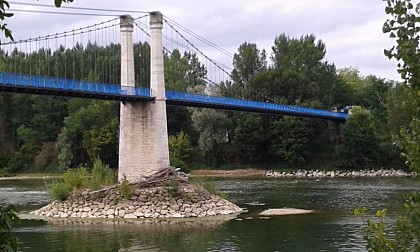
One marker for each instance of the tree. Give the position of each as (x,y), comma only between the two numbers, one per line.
(6,144)
(292,139)
(179,149)
(372,93)
(90,132)
(358,147)
(299,64)
(8,217)
(213,129)
(403,26)
(248,61)
(252,138)
(409,143)
(184,72)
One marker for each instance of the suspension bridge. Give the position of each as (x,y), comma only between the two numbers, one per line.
(33,68)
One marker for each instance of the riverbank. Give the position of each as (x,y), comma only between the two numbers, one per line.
(255,173)
(237,173)
(338,173)
(30,176)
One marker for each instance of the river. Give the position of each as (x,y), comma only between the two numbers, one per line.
(331,228)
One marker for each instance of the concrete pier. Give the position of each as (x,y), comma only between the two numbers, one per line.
(143,144)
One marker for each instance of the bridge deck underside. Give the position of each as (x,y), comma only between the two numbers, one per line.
(20,83)
(31,84)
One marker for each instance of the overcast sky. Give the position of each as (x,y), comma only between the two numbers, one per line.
(351,29)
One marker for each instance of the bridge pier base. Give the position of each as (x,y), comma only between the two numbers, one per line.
(143,144)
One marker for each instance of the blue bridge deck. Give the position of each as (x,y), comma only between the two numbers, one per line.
(21,83)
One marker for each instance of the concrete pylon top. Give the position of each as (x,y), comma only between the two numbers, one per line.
(126,21)
(156,17)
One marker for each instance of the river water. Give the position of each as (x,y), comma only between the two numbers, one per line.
(331,228)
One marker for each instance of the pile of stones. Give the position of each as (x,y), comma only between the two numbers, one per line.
(180,201)
(332,174)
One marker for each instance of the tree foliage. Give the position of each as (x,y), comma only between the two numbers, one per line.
(8,217)
(404,120)
(359,144)
(213,128)
(38,132)
(3,15)
(183,72)
(292,139)
(403,26)
(251,137)
(409,143)
(180,149)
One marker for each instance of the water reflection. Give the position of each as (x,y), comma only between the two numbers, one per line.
(297,233)
(121,236)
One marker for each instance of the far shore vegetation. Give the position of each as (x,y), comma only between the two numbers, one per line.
(48,135)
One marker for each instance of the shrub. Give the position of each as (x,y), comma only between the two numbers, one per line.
(209,185)
(125,189)
(173,187)
(404,236)
(60,190)
(179,149)
(102,175)
(72,179)
(76,178)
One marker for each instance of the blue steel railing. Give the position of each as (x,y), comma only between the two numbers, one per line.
(76,88)
(247,105)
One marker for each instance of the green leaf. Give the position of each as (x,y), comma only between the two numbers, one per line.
(358,211)
(8,34)
(409,6)
(58,3)
(386,28)
(381,213)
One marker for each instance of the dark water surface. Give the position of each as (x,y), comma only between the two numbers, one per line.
(332,228)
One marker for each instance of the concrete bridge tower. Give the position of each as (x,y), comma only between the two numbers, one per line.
(143,144)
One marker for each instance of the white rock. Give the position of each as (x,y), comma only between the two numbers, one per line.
(130,216)
(121,213)
(138,214)
(285,211)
